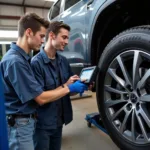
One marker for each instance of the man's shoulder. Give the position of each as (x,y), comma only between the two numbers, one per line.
(12,61)
(37,58)
(11,57)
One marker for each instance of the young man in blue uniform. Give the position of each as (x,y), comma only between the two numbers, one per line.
(52,70)
(22,92)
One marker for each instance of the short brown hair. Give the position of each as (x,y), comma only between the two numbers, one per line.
(33,21)
(55,26)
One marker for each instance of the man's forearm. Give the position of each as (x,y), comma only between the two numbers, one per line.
(52,95)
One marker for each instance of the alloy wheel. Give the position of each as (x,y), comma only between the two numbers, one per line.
(127,95)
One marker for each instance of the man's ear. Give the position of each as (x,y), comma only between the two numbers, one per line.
(29,32)
(52,35)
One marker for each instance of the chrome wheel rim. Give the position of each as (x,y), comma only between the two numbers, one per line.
(127,95)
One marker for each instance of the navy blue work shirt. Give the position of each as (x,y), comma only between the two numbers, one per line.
(20,85)
(47,76)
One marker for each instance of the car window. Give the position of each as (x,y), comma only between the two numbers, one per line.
(56,9)
(69,3)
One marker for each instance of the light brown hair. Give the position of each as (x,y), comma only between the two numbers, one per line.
(33,21)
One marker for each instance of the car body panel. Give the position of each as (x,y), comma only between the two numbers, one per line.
(81,17)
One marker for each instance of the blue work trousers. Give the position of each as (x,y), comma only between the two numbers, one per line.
(48,139)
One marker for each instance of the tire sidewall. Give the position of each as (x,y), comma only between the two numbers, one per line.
(123,43)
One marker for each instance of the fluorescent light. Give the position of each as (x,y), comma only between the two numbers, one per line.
(5,42)
(8,34)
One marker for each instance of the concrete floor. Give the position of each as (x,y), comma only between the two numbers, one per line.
(77,136)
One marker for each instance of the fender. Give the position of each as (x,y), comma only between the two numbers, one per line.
(105,5)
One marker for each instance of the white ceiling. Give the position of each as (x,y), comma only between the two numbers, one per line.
(28,3)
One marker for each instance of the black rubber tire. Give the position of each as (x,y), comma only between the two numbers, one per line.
(134,38)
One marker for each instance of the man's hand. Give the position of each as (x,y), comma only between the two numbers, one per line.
(72,79)
(77,87)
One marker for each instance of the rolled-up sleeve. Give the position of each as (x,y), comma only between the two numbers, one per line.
(22,79)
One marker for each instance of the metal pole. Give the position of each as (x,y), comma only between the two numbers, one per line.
(3,129)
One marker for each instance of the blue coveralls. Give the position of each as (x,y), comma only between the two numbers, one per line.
(51,116)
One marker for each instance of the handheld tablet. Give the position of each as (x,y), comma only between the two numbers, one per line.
(89,74)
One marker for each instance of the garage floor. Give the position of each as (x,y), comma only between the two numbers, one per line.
(77,136)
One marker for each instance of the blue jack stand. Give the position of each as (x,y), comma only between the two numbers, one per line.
(95,119)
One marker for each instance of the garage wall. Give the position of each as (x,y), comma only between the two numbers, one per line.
(9,15)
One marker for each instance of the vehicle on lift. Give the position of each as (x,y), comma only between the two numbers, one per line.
(115,36)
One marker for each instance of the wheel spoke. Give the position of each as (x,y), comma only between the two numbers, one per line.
(118,112)
(110,103)
(145,98)
(144,113)
(112,72)
(133,125)
(142,126)
(113,90)
(141,83)
(136,63)
(123,125)
(124,71)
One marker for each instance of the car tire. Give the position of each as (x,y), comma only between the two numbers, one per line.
(121,89)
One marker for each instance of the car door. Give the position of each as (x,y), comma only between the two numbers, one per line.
(74,15)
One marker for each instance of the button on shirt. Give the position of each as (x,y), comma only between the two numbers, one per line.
(53,114)
(20,85)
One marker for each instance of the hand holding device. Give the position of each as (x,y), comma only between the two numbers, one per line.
(72,79)
(77,87)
